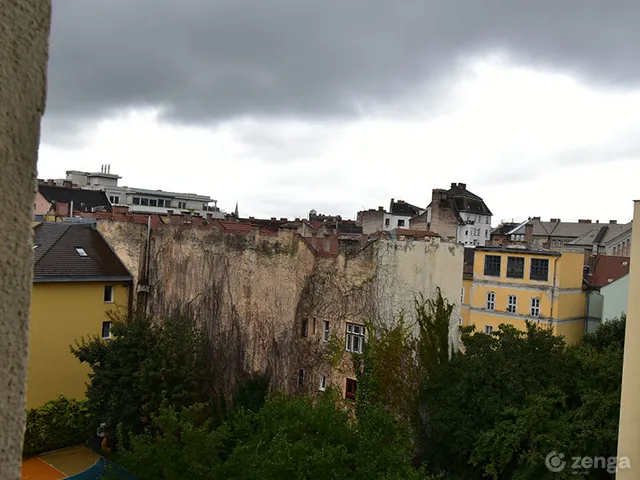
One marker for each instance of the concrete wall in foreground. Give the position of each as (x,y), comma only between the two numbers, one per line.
(24,36)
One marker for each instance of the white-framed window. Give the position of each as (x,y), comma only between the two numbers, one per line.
(535,307)
(323,383)
(355,338)
(512,304)
(81,251)
(325,331)
(386,222)
(488,329)
(108,293)
(106,330)
(401,223)
(301,377)
(114,199)
(491,300)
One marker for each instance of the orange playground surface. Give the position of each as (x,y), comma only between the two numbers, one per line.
(59,464)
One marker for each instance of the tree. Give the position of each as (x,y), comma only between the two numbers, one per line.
(144,364)
(297,438)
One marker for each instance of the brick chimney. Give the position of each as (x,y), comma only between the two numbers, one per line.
(555,220)
(462,185)
(326,243)
(438,195)
(67,183)
(584,221)
(612,222)
(121,209)
(453,184)
(62,209)
(381,209)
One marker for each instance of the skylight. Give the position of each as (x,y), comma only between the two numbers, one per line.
(81,251)
(35,246)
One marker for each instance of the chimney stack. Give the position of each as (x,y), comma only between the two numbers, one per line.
(584,221)
(462,185)
(613,222)
(453,184)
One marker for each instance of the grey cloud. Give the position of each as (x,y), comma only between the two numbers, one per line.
(209,60)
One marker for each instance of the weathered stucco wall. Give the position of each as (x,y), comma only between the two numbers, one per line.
(254,292)
(24,35)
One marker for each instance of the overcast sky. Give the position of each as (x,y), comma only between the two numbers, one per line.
(288,105)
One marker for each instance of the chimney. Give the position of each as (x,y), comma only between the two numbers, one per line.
(121,209)
(597,221)
(555,220)
(326,244)
(463,185)
(187,217)
(51,183)
(528,233)
(584,221)
(313,240)
(175,219)
(453,185)
(536,218)
(209,217)
(196,220)
(381,209)
(273,219)
(62,209)
(438,196)
(67,183)
(612,222)
(282,219)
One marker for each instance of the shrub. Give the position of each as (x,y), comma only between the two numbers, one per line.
(57,424)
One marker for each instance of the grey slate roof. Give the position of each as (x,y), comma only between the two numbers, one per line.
(55,256)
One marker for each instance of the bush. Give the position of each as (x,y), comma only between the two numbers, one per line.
(57,424)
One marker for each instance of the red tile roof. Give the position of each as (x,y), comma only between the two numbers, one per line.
(607,269)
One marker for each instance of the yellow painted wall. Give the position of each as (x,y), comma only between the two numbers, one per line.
(60,314)
(569,302)
(571,331)
(570,270)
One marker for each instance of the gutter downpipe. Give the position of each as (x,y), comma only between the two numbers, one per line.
(553,286)
(147,256)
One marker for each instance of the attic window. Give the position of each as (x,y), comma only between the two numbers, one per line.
(81,251)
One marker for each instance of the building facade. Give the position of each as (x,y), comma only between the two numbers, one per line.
(78,283)
(139,200)
(457,214)
(399,215)
(511,285)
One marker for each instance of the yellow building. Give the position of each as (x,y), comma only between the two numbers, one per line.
(514,284)
(629,434)
(78,280)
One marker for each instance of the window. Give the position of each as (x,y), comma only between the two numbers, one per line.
(108,294)
(106,330)
(492,265)
(182,205)
(386,222)
(512,304)
(515,267)
(355,338)
(325,333)
(539,269)
(144,202)
(486,234)
(81,251)
(304,331)
(462,296)
(535,307)
(486,220)
(466,232)
(136,200)
(301,377)
(114,199)
(313,331)
(351,388)
(323,383)
(161,203)
(459,321)
(153,202)
(488,329)
(401,223)
(491,300)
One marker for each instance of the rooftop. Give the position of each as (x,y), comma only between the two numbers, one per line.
(607,269)
(74,252)
(519,250)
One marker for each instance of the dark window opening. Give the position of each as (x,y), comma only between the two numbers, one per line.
(106,329)
(144,202)
(301,377)
(136,201)
(304,331)
(539,269)
(492,265)
(153,202)
(351,389)
(401,223)
(515,267)
(108,294)
(386,222)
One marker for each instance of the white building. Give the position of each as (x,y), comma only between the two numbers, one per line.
(140,200)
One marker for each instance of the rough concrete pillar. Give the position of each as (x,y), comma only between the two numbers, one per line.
(24,36)
(629,434)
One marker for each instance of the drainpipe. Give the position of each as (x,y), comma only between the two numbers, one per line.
(553,286)
(147,256)
(71,209)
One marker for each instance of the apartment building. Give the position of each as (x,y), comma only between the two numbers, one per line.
(399,215)
(78,280)
(511,285)
(139,200)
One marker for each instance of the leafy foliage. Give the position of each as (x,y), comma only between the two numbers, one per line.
(288,438)
(58,423)
(143,365)
(515,396)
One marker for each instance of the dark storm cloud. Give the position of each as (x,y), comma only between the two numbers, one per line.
(208,60)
